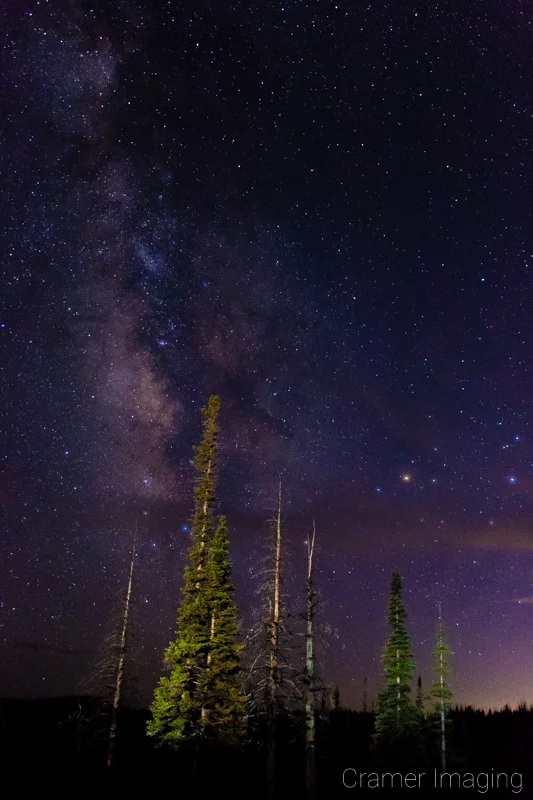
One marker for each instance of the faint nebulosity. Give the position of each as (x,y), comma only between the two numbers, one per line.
(322,213)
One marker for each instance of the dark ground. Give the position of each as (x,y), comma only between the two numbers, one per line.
(62,742)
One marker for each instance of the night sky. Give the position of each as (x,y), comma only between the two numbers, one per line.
(322,212)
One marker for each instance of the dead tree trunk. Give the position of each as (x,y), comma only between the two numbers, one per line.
(122,648)
(310,719)
(273,676)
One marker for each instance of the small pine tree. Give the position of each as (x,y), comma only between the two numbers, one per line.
(398,720)
(219,688)
(178,711)
(336,698)
(440,690)
(419,694)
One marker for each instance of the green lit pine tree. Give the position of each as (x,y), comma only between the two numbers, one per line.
(398,720)
(441,695)
(219,687)
(178,710)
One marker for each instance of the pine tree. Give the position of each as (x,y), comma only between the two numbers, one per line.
(178,710)
(222,699)
(398,720)
(440,691)
(419,694)
(336,699)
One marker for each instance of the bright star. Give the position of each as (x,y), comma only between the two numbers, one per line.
(512,479)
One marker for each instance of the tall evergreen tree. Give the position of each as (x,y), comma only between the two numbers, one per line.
(440,690)
(223,702)
(398,720)
(178,710)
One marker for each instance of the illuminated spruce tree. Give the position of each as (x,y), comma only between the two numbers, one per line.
(223,702)
(178,710)
(441,695)
(398,720)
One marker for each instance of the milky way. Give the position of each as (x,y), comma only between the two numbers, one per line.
(323,215)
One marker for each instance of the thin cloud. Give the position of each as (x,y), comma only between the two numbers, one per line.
(503,538)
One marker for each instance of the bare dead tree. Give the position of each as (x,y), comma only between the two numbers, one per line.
(110,676)
(122,651)
(76,723)
(310,703)
(270,682)
(274,658)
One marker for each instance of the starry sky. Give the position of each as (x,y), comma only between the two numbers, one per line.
(322,212)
